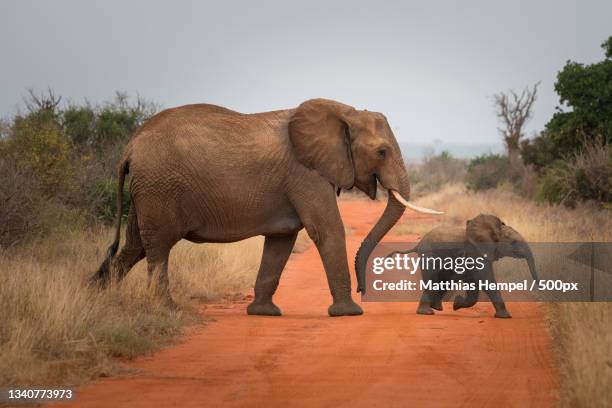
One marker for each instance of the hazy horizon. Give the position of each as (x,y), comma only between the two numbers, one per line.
(432,69)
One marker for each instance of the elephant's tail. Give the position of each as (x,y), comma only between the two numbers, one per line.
(102,275)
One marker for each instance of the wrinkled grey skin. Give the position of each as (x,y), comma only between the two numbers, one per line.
(208,174)
(484,236)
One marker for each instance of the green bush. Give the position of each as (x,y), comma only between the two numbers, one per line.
(553,186)
(587,176)
(106,202)
(487,171)
(79,124)
(113,125)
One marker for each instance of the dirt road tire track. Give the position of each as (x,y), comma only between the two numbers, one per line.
(389,357)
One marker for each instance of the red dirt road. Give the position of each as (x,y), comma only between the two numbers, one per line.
(389,357)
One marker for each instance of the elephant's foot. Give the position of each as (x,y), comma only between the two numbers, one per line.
(458,302)
(503,314)
(261,308)
(437,305)
(345,308)
(424,310)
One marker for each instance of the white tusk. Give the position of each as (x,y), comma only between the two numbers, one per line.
(423,210)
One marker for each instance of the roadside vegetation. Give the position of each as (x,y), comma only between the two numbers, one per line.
(54,329)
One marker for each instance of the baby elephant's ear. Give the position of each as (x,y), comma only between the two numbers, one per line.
(319,131)
(482,236)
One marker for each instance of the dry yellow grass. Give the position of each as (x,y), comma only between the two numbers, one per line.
(55,329)
(583,334)
(582,331)
(537,223)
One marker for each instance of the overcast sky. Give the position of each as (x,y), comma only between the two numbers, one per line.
(431,67)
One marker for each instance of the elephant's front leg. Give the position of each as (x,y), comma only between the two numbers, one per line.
(275,255)
(429,296)
(328,235)
(436,302)
(315,203)
(493,294)
(330,242)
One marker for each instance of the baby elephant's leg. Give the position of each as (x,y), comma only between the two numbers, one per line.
(436,302)
(428,297)
(470,300)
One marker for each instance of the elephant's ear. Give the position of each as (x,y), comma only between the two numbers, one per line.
(319,131)
(482,235)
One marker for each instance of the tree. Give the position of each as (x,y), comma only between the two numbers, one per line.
(513,111)
(585,114)
(587,91)
(607,46)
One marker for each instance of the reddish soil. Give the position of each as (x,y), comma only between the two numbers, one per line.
(389,357)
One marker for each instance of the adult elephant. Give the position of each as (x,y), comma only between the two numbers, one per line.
(208,174)
(484,236)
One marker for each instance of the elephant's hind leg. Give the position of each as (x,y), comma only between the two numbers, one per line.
(429,296)
(157,266)
(436,302)
(275,255)
(470,300)
(132,251)
(130,254)
(157,244)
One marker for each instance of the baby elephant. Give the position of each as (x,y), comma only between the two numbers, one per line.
(485,237)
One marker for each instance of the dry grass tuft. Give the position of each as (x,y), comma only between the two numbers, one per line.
(581,330)
(584,338)
(536,222)
(56,330)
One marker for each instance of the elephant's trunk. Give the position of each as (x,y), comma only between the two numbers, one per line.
(396,205)
(391,215)
(532,266)
(393,212)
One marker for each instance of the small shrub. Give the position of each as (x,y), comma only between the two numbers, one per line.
(587,176)
(42,149)
(487,171)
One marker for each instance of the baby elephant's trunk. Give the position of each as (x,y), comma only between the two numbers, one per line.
(532,266)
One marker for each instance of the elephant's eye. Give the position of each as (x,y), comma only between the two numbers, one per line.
(381,153)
